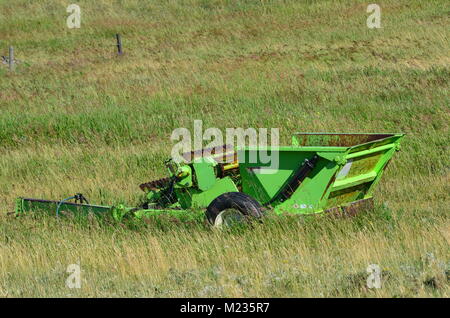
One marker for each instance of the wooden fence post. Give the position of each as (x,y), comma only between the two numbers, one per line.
(11,58)
(119,44)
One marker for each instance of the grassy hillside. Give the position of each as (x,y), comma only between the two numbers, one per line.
(74,117)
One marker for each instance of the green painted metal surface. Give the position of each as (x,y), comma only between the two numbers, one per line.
(348,168)
(319,171)
(205,173)
(195,198)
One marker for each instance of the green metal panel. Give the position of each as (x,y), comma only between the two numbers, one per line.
(194,198)
(205,175)
(312,193)
(264,187)
(348,168)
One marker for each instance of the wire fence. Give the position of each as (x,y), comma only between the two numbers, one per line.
(10,61)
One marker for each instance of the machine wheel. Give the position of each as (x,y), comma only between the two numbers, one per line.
(233,208)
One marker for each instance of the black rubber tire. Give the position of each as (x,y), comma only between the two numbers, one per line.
(245,204)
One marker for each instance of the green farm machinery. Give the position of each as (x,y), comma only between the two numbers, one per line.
(318,172)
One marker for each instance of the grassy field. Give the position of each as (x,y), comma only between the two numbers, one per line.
(74,117)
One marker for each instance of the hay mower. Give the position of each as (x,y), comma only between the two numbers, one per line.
(319,172)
